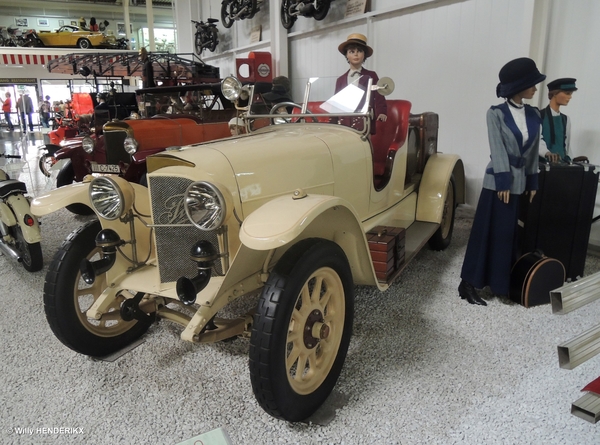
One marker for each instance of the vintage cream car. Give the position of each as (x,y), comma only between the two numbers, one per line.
(282,213)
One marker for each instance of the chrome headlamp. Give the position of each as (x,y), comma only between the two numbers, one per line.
(205,205)
(233,89)
(87,144)
(111,197)
(130,145)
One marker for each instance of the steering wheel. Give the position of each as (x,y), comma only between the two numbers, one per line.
(281,108)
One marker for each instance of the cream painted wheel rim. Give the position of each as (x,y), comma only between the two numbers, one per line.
(315,331)
(85,295)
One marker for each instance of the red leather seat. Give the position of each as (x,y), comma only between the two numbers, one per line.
(390,135)
(315,108)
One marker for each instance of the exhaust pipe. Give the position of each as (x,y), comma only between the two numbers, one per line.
(10,251)
(204,254)
(108,240)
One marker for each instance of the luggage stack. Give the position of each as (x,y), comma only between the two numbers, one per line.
(387,246)
(558,221)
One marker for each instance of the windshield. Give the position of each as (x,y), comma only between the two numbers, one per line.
(348,107)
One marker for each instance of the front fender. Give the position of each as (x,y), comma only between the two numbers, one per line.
(60,198)
(51,149)
(283,221)
(20,206)
(67,151)
(432,190)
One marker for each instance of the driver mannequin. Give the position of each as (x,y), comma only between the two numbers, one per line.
(356,51)
(280,91)
(556,127)
(102,112)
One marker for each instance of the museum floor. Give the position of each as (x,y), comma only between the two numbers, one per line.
(424,367)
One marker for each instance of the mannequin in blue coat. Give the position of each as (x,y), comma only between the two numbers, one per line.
(514,137)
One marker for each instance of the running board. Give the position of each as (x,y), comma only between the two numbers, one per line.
(579,349)
(574,295)
(416,236)
(587,407)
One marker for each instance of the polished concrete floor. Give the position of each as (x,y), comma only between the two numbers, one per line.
(28,145)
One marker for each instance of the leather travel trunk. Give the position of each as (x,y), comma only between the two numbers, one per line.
(558,221)
(387,250)
(425,131)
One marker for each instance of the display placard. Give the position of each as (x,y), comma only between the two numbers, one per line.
(255,34)
(356,7)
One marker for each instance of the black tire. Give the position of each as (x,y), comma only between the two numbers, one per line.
(322,9)
(253,9)
(45,163)
(283,317)
(443,235)
(66,176)
(214,39)
(287,20)
(84,44)
(65,311)
(198,44)
(31,254)
(226,13)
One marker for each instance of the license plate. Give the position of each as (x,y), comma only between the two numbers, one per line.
(105,168)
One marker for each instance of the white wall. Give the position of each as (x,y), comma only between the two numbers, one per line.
(445,56)
(573,52)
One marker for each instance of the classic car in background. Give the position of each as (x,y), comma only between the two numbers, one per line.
(75,121)
(204,100)
(74,36)
(292,214)
(123,147)
(120,146)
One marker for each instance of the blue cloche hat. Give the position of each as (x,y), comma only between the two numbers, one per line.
(564,84)
(518,75)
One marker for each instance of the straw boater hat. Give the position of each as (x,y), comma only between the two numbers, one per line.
(356,39)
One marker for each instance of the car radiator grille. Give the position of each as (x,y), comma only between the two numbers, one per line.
(114,145)
(173,243)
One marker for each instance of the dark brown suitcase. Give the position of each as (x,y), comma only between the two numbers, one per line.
(532,278)
(425,132)
(387,250)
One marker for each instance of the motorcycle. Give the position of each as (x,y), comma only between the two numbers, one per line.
(291,9)
(19,230)
(232,10)
(17,37)
(207,35)
(122,43)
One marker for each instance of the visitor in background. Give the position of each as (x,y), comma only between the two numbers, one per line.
(93,25)
(6,108)
(25,107)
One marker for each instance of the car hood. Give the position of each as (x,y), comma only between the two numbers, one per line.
(267,164)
